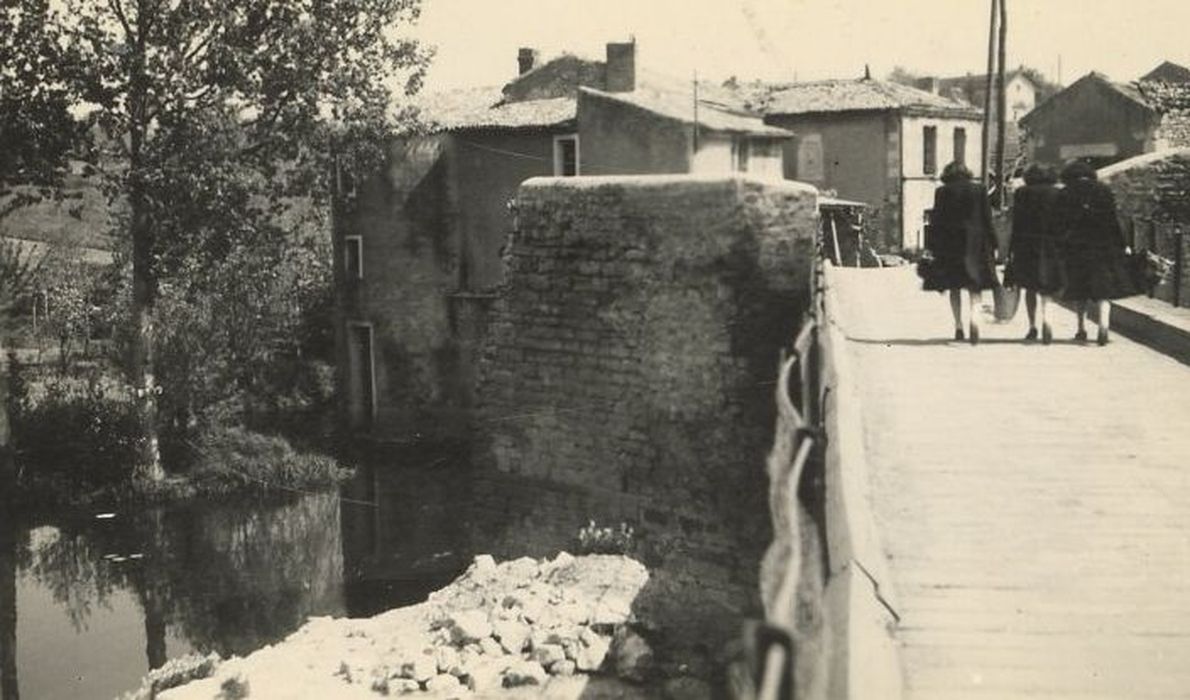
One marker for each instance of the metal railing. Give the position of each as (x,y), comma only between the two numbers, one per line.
(798,436)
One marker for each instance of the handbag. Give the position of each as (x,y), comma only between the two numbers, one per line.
(1007,301)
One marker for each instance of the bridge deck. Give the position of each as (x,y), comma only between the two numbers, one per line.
(1033,501)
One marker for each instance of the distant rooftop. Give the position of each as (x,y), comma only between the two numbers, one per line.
(680,106)
(862,95)
(484,107)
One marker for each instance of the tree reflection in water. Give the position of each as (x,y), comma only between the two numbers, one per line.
(228,578)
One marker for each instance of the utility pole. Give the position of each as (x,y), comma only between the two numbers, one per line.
(984,154)
(696,111)
(1002,104)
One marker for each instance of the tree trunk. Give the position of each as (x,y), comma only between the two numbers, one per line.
(148,458)
(147,468)
(9,688)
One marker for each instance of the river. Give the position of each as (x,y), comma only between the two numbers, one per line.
(89,601)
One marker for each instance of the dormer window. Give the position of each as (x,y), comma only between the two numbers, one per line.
(566,155)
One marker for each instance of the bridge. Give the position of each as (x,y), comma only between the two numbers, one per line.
(1006,520)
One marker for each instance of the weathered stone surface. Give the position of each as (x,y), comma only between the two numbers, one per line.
(644,289)
(547,654)
(491,647)
(421,668)
(469,626)
(591,655)
(524,673)
(447,658)
(513,635)
(562,667)
(443,683)
(403,686)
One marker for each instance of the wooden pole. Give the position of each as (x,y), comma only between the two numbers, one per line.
(1002,109)
(987,97)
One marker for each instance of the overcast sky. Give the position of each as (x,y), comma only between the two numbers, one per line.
(810,39)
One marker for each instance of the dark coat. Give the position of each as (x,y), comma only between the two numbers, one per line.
(962,241)
(1033,253)
(1095,263)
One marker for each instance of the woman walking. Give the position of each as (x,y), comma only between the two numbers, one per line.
(1033,263)
(962,244)
(1094,255)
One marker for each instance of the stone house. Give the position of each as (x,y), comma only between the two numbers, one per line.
(418,245)
(1102,121)
(1023,88)
(880,143)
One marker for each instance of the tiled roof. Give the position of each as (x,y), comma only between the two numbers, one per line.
(477,108)
(680,106)
(1168,72)
(864,95)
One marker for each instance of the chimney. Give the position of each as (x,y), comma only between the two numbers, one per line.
(621,66)
(526,59)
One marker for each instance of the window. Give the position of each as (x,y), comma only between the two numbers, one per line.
(930,150)
(743,150)
(809,158)
(353,257)
(566,155)
(960,145)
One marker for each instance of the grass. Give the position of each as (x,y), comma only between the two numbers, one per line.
(228,463)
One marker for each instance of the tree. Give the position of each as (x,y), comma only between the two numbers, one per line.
(904,76)
(37,131)
(208,115)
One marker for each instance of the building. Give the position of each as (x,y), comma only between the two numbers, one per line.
(419,244)
(1102,121)
(1024,88)
(880,143)
(1167,72)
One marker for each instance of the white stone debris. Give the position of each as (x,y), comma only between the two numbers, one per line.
(497,627)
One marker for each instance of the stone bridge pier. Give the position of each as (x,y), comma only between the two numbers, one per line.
(634,346)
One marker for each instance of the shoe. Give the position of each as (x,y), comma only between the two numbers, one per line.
(973,332)
(1031,335)
(1047,334)
(1081,336)
(1102,337)
(958,334)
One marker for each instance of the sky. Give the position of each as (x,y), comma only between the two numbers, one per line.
(477,40)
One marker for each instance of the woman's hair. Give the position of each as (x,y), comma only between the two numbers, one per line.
(1078,170)
(955,171)
(1038,174)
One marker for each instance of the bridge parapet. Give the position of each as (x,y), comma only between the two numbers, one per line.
(828,638)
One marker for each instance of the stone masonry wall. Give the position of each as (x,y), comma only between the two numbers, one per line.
(1153,200)
(635,343)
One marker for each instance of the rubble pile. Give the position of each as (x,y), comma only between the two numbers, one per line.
(497,628)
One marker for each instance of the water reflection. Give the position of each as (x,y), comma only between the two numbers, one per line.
(87,605)
(412,522)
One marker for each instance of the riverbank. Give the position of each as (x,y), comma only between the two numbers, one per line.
(230,463)
(564,627)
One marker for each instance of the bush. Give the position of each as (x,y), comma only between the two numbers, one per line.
(606,540)
(78,430)
(235,459)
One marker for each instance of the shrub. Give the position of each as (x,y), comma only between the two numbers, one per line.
(235,459)
(78,429)
(605,540)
